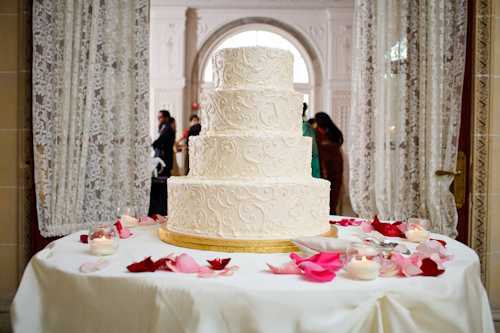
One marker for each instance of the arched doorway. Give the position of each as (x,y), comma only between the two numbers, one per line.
(264,32)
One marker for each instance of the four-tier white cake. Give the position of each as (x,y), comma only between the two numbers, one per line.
(250,167)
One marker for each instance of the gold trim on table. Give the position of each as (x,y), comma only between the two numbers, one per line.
(229,245)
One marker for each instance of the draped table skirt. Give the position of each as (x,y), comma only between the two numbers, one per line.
(54,296)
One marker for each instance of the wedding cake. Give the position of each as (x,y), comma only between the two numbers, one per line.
(250,167)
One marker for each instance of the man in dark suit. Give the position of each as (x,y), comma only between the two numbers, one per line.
(165,142)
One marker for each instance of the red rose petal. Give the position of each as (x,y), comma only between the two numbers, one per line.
(118,225)
(147,265)
(430,268)
(84,239)
(218,264)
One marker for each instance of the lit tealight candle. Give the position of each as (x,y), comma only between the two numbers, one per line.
(103,246)
(363,269)
(417,234)
(128,221)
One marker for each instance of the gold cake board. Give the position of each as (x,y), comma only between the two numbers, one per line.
(228,245)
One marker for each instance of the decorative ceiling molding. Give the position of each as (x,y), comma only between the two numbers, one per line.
(257,4)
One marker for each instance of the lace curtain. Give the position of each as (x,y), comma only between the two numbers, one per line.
(408,67)
(90,111)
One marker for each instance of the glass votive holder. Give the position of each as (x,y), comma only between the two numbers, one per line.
(418,230)
(103,239)
(126,215)
(363,260)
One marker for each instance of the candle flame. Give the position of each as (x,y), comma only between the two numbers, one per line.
(417,228)
(363,259)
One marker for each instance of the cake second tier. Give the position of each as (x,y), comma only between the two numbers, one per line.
(250,156)
(246,210)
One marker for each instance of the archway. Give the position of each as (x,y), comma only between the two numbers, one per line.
(291,39)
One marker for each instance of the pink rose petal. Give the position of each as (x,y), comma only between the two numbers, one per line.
(325,260)
(289,268)
(146,220)
(228,271)
(125,233)
(402,227)
(160,219)
(186,264)
(367,227)
(401,248)
(408,269)
(311,266)
(205,272)
(88,267)
(103,264)
(320,276)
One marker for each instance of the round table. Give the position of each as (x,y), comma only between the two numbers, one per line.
(54,296)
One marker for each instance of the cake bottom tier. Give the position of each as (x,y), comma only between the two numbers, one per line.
(246,210)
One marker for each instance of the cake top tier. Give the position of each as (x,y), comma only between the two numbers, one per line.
(252,67)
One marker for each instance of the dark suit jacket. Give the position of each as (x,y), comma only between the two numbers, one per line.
(164,147)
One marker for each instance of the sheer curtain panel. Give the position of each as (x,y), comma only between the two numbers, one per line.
(408,68)
(90,117)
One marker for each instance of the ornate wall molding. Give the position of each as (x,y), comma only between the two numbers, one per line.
(481,116)
(268,4)
(170,99)
(167,63)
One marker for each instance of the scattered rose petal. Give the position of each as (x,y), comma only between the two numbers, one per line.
(229,271)
(118,225)
(218,264)
(402,227)
(320,276)
(90,267)
(326,260)
(124,233)
(347,222)
(147,265)
(186,264)
(205,272)
(386,229)
(367,227)
(311,266)
(389,267)
(289,268)
(430,268)
(408,269)
(401,248)
(84,239)
(146,220)
(160,219)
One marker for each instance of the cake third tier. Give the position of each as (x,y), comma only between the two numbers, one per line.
(249,210)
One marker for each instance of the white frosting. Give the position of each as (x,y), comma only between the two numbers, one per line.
(248,210)
(250,156)
(252,67)
(250,167)
(251,110)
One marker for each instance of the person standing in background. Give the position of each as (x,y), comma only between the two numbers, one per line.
(308,130)
(330,140)
(164,144)
(193,130)
(175,167)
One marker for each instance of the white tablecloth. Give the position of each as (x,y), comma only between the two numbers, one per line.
(55,297)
